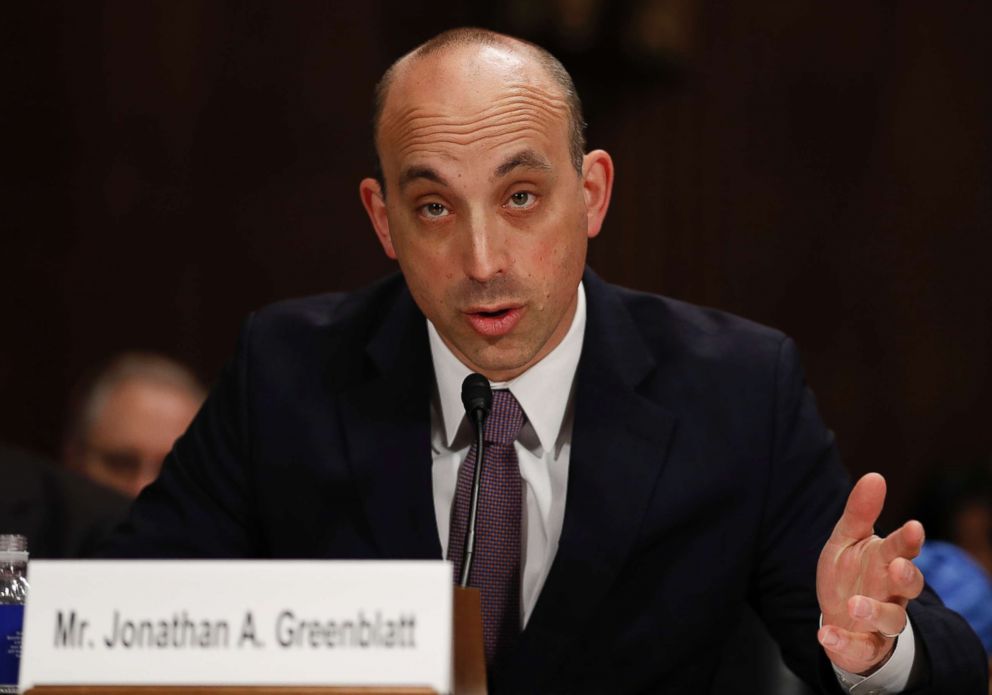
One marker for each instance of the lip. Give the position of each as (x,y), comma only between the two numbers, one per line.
(506,318)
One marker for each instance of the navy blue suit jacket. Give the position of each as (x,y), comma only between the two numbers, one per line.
(701,477)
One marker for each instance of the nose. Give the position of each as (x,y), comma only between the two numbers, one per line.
(485,254)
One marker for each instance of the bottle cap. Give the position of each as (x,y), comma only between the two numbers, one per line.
(13,541)
(13,548)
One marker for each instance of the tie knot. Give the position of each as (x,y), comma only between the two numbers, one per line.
(506,417)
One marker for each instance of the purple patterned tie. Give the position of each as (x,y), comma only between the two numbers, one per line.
(496,564)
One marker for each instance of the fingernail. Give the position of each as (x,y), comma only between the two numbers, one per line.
(829,639)
(862,609)
(907,571)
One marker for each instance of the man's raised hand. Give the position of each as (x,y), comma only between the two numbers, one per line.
(864,582)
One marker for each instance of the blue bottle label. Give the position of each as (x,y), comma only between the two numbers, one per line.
(11,621)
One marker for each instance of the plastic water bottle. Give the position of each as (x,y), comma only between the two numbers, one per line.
(13,593)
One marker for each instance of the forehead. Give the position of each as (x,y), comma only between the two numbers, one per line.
(468,101)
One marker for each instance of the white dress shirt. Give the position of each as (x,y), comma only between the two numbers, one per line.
(545,393)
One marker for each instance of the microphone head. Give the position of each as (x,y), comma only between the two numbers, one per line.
(476,394)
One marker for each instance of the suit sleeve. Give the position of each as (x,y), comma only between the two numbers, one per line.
(806,492)
(202,504)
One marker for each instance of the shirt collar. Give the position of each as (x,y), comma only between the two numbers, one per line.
(543,391)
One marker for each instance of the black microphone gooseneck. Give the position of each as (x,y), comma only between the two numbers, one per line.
(477,397)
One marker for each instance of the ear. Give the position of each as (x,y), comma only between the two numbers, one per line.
(597,186)
(375,205)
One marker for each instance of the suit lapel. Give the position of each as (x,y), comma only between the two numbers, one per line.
(618,439)
(386,421)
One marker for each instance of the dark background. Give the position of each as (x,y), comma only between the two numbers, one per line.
(821,167)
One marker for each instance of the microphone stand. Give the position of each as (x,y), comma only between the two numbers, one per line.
(473,510)
(469,654)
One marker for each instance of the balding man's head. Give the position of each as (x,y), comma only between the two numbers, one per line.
(467,37)
(492,201)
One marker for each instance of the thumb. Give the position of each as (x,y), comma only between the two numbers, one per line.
(864,504)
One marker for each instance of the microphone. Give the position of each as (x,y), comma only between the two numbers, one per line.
(477,397)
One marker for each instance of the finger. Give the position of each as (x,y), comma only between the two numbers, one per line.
(884,617)
(853,651)
(905,578)
(905,542)
(864,504)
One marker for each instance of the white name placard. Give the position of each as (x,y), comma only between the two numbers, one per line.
(183,622)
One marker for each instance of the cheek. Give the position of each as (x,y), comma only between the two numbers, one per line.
(419,259)
(556,270)
(431,278)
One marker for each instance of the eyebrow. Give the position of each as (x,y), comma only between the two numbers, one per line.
(413,173)
(527,159)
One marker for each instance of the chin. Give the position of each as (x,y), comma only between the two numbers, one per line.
(502,367)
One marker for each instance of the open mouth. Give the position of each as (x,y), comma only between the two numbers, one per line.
(493,314)
(495,322)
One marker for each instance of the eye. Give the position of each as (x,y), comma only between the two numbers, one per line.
(434,210)
(521,200)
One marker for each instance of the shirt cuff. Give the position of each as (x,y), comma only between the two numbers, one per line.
(893,677)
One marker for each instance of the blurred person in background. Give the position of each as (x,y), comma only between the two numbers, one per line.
(956,506)
(956,560)
(124,419)
(963,586)
(61,513)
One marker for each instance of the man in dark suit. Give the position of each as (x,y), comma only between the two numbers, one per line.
(671,462)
